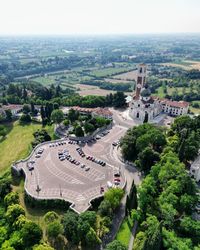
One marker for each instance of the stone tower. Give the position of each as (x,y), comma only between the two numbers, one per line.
(140,81)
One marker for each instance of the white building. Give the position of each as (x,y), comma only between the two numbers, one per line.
(145,108)
(14,108)
(175,108)
(195,169)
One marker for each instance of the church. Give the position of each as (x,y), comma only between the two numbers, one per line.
(146,108)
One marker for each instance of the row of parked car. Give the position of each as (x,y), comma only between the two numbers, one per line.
(92,140)
(93,159)
(56,144)
(80,152)
(62,155)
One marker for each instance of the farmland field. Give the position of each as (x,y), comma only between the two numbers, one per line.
(113,80)
(186,65)
(131,75)
(92,90)
(106,72)
(170,91)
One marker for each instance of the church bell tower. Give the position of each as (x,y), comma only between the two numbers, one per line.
(141,79)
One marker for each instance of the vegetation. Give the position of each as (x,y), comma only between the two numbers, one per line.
(116,245)
(143,144)
(124,233)
(167,195)
(40,136)
(82,124)
(16,145)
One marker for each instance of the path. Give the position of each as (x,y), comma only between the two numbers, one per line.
(133,232)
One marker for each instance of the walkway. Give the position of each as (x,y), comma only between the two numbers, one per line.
(133,232)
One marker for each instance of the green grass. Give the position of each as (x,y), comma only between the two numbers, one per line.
(160,92)
(124,232)
(17,144)
(107,72)
(44,80)
(170,91)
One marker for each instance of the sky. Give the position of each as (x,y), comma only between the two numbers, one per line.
(76,17)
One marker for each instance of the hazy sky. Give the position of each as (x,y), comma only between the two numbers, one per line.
(98,16)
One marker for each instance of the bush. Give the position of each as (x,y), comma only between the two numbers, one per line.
(25,118)
(114,196)
(40,136)
(11,198)
(5,185)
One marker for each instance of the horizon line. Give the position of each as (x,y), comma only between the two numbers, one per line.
(97,34)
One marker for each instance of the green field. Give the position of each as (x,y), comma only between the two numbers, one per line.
(108,71)
(61,78)
(17,145)
(170,91)
(124,232)
(44,80)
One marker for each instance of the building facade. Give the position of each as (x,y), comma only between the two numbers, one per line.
(145,108)
(195,169)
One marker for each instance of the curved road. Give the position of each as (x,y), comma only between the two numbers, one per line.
(130,173)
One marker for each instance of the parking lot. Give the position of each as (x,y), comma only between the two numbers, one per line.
(75,172)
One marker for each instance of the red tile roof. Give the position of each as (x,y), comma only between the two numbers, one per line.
(12,107)
(99,111)
(180,104)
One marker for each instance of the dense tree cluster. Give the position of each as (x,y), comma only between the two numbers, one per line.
(16,231)
(166,200)
(167,196)
(84,124)
(185,137)
(40,136)
(110,86)
(143,144)
(116,100)
(33,92)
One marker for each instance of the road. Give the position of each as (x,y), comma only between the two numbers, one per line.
(130,173)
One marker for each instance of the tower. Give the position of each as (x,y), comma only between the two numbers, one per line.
(141,79)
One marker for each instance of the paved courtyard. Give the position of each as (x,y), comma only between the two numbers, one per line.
(52,178)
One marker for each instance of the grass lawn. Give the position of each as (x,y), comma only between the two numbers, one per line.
(17,145)
(124,232)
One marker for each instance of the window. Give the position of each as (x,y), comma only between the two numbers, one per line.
(140,70)
(138,115)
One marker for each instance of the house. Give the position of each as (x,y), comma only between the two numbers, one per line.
(104,112)
(14,108)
